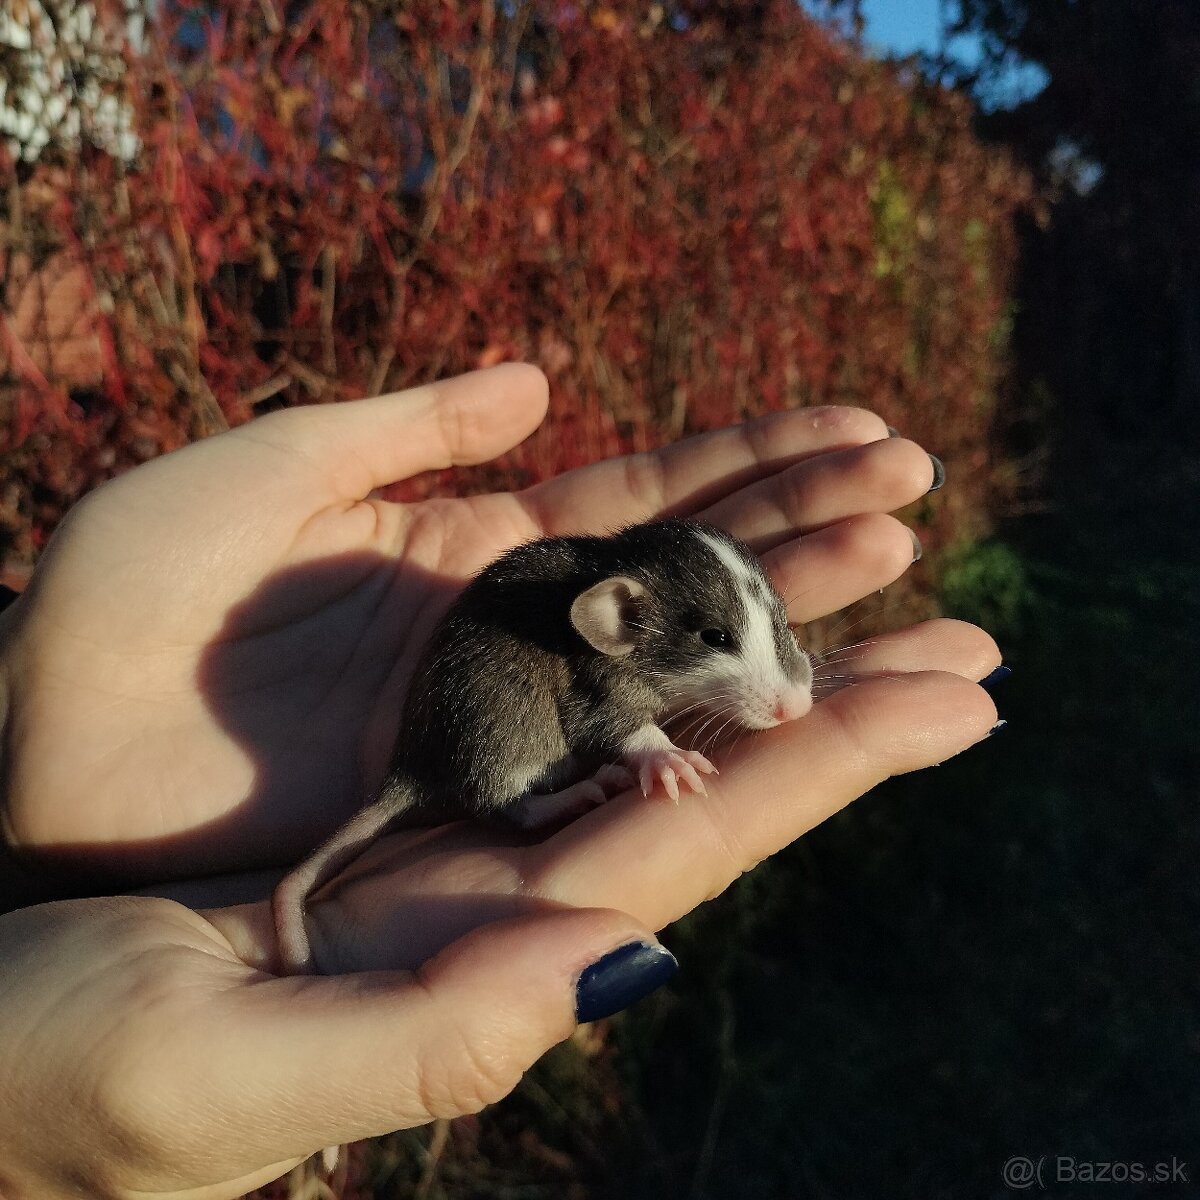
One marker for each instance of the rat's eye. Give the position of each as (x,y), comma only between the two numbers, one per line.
(718,639)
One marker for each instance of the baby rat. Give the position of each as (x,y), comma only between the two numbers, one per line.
(540,691)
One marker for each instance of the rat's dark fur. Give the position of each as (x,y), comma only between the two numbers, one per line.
(507,688)
(508,699)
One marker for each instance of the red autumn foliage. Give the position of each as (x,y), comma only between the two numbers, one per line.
(683,219)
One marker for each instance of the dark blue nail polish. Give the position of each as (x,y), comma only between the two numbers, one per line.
(892,432)
(918,549)
(620,978)
(939,474)
(999,675)
(999,725)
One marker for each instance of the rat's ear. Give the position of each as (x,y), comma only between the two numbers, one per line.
(605,616)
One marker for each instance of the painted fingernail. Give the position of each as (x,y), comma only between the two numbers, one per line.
(918,549)
(999,675)
(620,978)
(999,725)
(939,474)
(892,432)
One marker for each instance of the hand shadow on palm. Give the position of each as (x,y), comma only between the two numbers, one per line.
(307,676)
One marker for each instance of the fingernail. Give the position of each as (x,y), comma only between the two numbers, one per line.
(620,978)
(999,725)
(999,675)
(939,474)
(918,549)
(892,432)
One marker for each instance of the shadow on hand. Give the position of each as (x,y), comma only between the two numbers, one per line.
(307,676)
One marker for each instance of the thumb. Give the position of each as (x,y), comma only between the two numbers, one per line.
(367,444)
(389,1050)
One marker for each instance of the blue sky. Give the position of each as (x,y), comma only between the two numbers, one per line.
(908,26)
(902,26)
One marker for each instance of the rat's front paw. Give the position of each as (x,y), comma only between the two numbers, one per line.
(668,766)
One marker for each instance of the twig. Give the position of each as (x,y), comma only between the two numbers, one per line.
(265,391)
(447,163)
(328,265)
(716,1112)
(433,1157)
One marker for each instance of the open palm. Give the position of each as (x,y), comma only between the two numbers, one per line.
(208,670)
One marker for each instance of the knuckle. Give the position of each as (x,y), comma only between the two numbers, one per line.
(731,858)
(850,733)
(457,430)
(760,437)
(645,479)
(789,499)
(464,1074)
(468,1065)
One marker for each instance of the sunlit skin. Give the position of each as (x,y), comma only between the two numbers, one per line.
(205,676)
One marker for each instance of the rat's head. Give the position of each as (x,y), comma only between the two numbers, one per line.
(696,615)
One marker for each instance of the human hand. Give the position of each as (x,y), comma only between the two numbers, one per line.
(206,671)
(141,1055)
(183,699)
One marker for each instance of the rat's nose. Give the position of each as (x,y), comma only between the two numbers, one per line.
(789,708)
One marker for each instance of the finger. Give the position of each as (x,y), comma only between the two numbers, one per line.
(389,1050)
(365,444)
(659,861)
(940,645)
(699,471)
(878,477)
(840,564)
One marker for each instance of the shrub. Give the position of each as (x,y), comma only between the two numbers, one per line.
(684,216)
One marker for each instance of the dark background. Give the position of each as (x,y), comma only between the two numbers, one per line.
(999,956)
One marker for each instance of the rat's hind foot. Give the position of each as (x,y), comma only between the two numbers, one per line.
(536,812)
(615,779)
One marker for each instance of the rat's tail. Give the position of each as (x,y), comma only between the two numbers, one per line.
(293,890)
